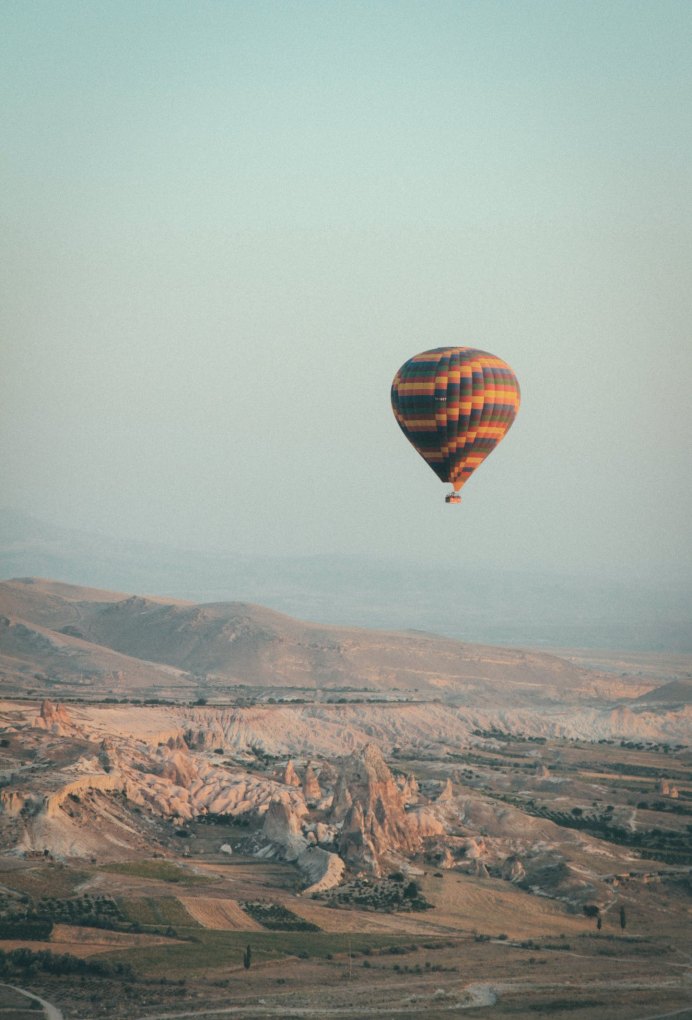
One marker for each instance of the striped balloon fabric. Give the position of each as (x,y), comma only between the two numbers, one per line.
(455,404)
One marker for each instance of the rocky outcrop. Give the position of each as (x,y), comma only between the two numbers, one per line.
(13,801)
(107,756)
(282,826)
(474,848)
(311,787)
(205,737)
(53,801)
(410,789)
(186,785)
(325,834)
(290,776)
(53,717)
(424,824)
(180,769)
(447,860)
(376,825)
(479,870)
(322,869)
(341,801)
(666,789)
(513,870)
(446,793)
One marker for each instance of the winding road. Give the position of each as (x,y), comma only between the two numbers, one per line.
(50,1011)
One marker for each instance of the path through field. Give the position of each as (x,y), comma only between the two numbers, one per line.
(476,995)
(685,1011)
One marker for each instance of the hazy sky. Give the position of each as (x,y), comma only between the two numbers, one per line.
(226,225)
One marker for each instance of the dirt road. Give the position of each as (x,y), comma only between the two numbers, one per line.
(50,1011)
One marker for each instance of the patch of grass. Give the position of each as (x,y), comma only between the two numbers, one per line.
(164,871)
(563,1005)
(156,911)
(12,998)
(45,880)
(208,950)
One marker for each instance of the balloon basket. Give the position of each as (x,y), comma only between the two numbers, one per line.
(452,497)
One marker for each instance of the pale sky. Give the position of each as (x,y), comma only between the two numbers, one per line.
(226,225)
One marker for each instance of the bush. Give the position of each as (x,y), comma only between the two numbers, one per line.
(34,930)
(28,963)
(276,917)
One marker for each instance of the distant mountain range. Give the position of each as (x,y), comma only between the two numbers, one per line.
(470,602)
(61,641)
(66,640)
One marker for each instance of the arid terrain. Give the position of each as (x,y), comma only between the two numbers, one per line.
(219,810)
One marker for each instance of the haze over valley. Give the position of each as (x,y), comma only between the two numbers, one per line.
(467,597)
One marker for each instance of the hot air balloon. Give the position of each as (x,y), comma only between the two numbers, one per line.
(454,405)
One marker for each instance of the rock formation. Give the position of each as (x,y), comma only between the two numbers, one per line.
(282,826)
(53,717)
(311,787)
(290,776)
(513,870)
(180,769)
(323,870)
(410,789)
(448,860)
(108,756)
(446,793)
(376,825)
(342,800)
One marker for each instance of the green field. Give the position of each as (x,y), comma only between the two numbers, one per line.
(155,911)
(43,880)
(163,871)
(210,950)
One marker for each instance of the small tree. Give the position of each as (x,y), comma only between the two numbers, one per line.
(623,918)
(247,958)
(599,923)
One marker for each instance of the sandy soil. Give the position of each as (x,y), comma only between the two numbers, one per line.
(220,914)
(492,906)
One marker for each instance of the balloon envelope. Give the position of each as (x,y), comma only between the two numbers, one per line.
(455,404)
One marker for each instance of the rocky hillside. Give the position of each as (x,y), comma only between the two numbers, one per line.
(58,638)
(105,783)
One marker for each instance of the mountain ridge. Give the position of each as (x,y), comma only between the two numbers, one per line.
(244,643)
